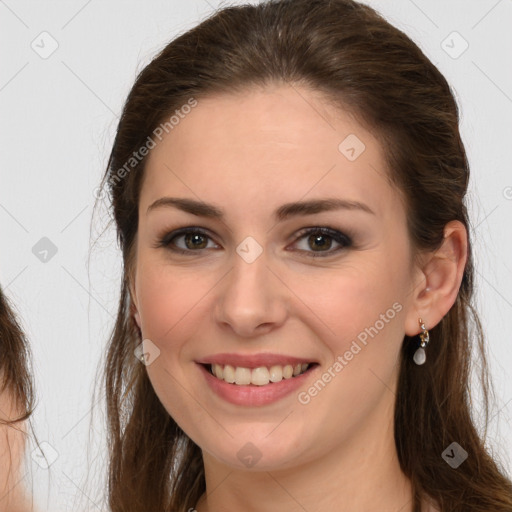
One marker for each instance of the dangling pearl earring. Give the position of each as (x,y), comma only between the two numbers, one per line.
(420,356)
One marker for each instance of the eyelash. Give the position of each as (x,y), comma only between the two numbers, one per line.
(341,238)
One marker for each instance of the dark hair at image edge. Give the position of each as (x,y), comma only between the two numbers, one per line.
(15,377)
(363,65)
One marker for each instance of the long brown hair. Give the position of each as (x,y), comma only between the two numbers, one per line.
(15,376)
(17,400)
(369,68)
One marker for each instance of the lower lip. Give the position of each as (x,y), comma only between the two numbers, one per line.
(251,395)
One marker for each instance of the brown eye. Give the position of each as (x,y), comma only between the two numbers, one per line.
(321,242)
(195,241)
(318,241)
(187,240)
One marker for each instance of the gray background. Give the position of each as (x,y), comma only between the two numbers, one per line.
(58,118)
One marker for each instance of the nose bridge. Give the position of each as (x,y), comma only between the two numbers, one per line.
(250,296)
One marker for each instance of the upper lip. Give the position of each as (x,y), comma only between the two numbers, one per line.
(254,360)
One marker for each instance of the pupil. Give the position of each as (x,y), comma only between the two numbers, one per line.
(318,238)
(193,239)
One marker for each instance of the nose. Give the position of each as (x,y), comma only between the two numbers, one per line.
(251,300)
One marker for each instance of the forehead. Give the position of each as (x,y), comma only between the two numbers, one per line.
(268,145)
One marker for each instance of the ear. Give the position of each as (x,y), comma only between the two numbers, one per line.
(438,280)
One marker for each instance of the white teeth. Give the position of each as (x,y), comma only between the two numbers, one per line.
(288,371)
(242,376)
(276,373)
(218,371)
(260,376)
(228,374)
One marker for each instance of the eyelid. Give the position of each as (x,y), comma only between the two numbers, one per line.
(169,235)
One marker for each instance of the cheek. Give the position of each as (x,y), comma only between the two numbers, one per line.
(361,308)
(163,294)
(361,305)
(350,299)
(171,307)
(173,302)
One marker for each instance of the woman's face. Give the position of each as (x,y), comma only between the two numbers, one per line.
(263,280)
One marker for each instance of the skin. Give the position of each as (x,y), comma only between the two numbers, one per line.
(12,445)
(249,154)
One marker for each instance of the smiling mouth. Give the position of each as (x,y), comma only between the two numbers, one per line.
(260,376)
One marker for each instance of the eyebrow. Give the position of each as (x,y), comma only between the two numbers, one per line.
(202,209)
